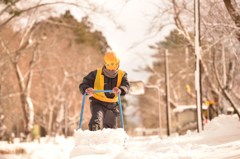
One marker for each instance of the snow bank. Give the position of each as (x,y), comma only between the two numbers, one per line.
(220,139)
(222,129)
(57,147)
(223,123)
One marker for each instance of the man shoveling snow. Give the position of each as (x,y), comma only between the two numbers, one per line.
(104,104)
(104,86)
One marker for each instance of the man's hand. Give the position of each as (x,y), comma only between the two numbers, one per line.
(89,91)
(116,90)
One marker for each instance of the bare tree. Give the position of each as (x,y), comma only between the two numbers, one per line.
(234,12)
(38,51)
(24,79)
(217,29)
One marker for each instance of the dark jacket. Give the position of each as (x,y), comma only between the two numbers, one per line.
(88,81)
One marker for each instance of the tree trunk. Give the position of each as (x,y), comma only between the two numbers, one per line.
(233,104)
(26,101)
(225,88)
(232,8)
(50,121)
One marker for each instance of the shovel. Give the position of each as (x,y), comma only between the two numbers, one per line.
(97,91)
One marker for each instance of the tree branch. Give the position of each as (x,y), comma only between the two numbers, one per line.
(233,12)
(224,90)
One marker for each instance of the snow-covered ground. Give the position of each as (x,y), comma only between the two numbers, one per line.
(220,139)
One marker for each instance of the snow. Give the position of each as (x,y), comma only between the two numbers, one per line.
(181,108)
(219,139)
(107,141)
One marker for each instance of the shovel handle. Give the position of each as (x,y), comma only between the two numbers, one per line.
(96,91)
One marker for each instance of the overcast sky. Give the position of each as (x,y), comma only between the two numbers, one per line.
(131,43)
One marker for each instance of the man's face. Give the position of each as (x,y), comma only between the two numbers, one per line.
(112,66)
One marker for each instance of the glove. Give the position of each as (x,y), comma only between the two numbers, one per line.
(89,91)
(116,90)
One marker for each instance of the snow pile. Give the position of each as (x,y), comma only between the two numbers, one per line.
(224,123)
(106,141)
(219,140)
(223,128)
(57,147)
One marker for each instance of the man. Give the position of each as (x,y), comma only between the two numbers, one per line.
(104,105)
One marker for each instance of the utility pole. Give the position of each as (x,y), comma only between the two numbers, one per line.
(168,110)
(197,48)
(159,107)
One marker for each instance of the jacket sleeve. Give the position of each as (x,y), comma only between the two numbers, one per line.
(88,81)
(125,86)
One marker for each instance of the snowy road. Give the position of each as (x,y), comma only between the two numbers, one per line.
(219,140)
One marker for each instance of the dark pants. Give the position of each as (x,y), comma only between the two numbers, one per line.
(104,115)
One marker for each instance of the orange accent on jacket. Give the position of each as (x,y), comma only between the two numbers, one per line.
(99,85)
